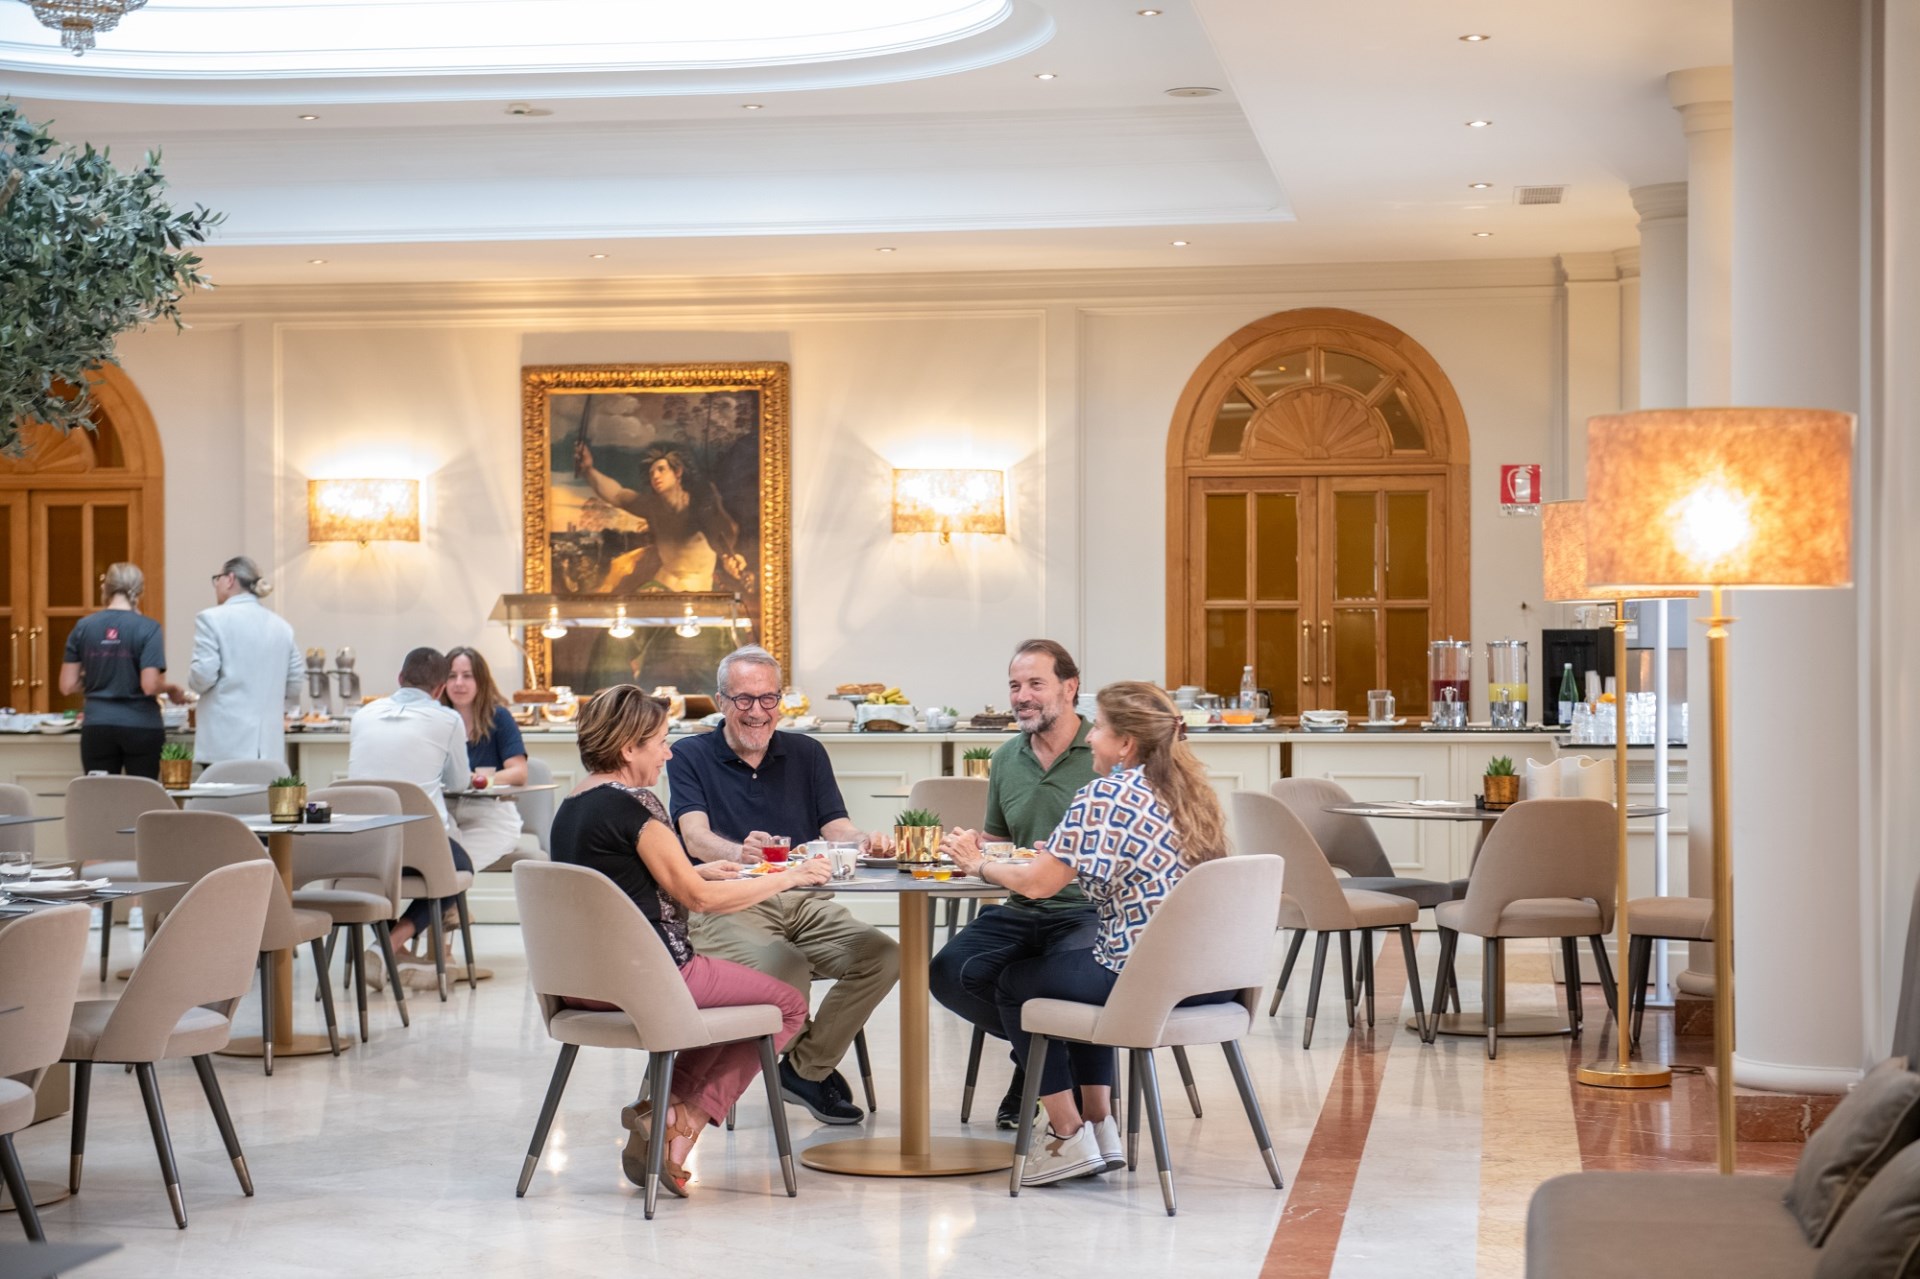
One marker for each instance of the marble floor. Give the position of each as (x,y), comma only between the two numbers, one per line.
(401,1156)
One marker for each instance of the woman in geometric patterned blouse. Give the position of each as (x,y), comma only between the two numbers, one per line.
(1127,839)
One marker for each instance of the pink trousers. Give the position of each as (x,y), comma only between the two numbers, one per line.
(713,1078)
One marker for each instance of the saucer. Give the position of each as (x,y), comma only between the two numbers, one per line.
(1380,724)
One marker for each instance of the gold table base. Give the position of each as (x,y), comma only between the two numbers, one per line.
(1635,1074)
(299,1045)
(882,1157)
(52,1192)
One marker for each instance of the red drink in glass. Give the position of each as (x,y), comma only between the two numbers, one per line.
(775,849)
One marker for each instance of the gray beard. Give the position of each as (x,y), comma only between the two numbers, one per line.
(1046,722)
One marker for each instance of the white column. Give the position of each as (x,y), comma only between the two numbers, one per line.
(1590,286)
(1796,341)
(1663,294)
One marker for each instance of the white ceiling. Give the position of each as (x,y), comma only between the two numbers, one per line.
(1340,137)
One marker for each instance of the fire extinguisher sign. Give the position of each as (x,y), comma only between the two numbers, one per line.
(1520,488)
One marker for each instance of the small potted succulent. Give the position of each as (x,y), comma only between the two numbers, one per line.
(1502,784)
(976,761)
(916,833)
(176,765)
(286,799)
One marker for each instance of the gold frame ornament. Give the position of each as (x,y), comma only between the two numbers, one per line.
(768,601)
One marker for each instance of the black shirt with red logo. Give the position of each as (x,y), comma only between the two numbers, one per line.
(112,647)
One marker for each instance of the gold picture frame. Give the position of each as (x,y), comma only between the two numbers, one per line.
(680,444)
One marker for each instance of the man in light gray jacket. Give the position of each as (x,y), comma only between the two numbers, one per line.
(246,668)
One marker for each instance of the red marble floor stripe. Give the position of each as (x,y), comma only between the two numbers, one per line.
(1309,1231)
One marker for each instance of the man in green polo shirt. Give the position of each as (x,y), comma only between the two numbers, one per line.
(1033,780)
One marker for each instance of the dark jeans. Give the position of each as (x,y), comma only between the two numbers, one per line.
(965,975)
(111,748)
(417,909)
(1076,976)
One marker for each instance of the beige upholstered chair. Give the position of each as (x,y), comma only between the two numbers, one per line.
(16,801)
(960,801)
(585,939)
(178,1003)
(1351,845)
(427,870)
(1211,933)
(1318,901)
(1545,870)
(98,809)
(256,772)
(39,956)
(536,819)
(1654,918)
(183,847)
(355,881)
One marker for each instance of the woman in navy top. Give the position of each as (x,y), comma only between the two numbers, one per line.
(496,753)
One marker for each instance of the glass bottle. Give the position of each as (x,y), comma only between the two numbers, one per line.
(1569,694)
(1249,691)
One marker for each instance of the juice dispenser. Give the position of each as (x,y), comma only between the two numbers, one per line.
(1449,683)
(1507,683)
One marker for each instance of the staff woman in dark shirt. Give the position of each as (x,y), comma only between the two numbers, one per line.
(613,824)
(118,658)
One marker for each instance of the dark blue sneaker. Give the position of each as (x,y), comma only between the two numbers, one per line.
(820,1098)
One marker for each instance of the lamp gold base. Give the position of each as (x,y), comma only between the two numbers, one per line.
(882,1157)
(1611,1074)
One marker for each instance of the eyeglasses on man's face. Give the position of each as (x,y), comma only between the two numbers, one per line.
(747,701)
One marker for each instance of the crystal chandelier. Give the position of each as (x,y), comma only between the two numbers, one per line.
(78,20)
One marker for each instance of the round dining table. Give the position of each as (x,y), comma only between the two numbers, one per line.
(916,1152)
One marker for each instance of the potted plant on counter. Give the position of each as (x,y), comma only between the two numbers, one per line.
(176,765)
(286,799)
(916,833)
(976,761)
(1502,784)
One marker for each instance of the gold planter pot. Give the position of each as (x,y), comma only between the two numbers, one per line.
(1501,791)
(975,767)
(176,774)
(917,845)
(286,803)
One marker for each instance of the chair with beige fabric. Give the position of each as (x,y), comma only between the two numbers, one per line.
(1351,845)
(1211,933)
(97,810)
(179,1002)
(38,957)
(1318,901)
(536,820)
(355,881)
(1545,871)
(16,801)
(427,870)
(253,772)
(1651,919)
(586,939)
(183,847)
(960,801)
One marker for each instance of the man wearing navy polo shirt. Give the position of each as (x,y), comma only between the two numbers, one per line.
(730,792)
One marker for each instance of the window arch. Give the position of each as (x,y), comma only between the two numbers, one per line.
(1317,508)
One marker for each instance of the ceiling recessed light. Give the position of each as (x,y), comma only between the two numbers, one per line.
(885,250)
(1148,13)
(526,110)
(1192,91)
(1478,186)
(1478,124)
(309,117)
(1046,75)
(1481,235)
(1180,244)
(316,261)
(752,106)
(596,256)
(1476,39)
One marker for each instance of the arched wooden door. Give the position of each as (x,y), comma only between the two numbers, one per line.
(70,505)
(1317,510)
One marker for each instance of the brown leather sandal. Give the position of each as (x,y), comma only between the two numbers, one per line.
(676,1178)
(633,1159)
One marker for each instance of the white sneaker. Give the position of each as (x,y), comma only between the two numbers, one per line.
(1064,1158)
(1106,1135)
(376,970)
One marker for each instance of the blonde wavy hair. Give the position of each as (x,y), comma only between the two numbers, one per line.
(1144,712)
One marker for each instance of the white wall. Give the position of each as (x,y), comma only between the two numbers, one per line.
(1067,382)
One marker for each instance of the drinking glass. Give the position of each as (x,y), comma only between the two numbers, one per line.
(16,862)
(1380,705)
(775,849)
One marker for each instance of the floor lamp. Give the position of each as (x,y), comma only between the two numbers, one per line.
(1563,535)
(1712,499)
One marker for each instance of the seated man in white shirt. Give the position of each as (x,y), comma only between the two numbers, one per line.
(411,737)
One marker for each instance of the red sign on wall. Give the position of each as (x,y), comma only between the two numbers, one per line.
(1520,488)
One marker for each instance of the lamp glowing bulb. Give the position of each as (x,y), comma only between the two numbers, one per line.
(620,628)
(1711,524)
(688,628)
(553,630)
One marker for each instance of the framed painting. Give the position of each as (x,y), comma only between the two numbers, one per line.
(656,478)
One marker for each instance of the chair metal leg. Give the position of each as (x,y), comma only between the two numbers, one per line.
(82,1094)
(1029,1099)
(1490,992)
(326,992)
(357,973)
(162,1143)
(1346,973)
(1412,958)
(16,1179)
(1570,960)
(217,1102)
(1443,978)
(865,1059)
(106,938)
(1313,987)
(660,1068)
(782,1141)
(383,933)
(1605,965)
(973,1073)
(265,963)
(953,916)
(466,938)
(548,1108)
(1237,1063)
(1186,1078)
(733,1115)
(1639,960)
(1286,969)
(1366,968)
(1157,1126)
(1134,1107)
(435,909)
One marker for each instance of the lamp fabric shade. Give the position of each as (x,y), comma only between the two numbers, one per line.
(363,510)
(1563,553)
(1731,497)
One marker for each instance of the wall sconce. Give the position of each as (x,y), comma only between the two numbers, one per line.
(949,501)
(363,511)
